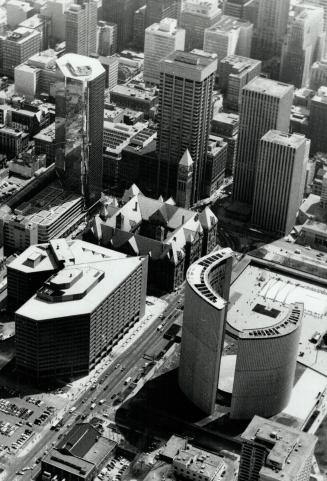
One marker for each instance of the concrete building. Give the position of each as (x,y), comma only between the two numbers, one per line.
(18,46)
(317,121)
(12,141)
(93,303)
(17,12)
(234,72)
(111,67)
(40,24)
(81,28)
(186,86)
(196,16)
(54,10)
(79,125)
(79,456)
(106,39)
(161,40)
(139,25)
(174,236)
(266,104)
(304,44)
(120,12)
(280,181)
(215,167)
(226,126)
(236,8)
(269,34)
(229,36)
(318,75)
(134,97)
(44,143)
(271,451)
(157,10)
(206,297)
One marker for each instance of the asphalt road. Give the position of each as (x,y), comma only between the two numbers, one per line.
(109,383)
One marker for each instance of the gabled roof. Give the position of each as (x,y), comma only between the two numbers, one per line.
(207,218)
(186,159)
(130,193)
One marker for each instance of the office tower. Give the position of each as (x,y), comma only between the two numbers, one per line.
(185,109)
(215,167)
(304,44)
(106,38)
(226,125)
(234,73)
(235,8)
(206,298)
(139,27)
(229,36)
(19,46)
(323,4)
(279,182)
(81,28)
(266,104)
(157,10)
(79,125)
(77,314)
(272,451)
(270,32)
(120,12)
(161,39)
(196,16)
(41,24)
(17,12)
(317,121)
(318,75)
(110,64)
(55,11)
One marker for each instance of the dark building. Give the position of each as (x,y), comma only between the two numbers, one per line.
(215,167)
(185,111)
(79,125)
(139,27)
(121,12)
(226,125)
(157,10)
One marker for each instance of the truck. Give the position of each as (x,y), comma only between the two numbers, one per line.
(101,402)
(92,406)
(127,380)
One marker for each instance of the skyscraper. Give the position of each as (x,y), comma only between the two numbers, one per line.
(304,44)
(266,104)
(120,12)
(206,298)
(81,28)
(270,31)
(157,10)
(279,183)
(161,39)
(317,121)
(185,110)
(106,38)
(318,75)
(79,125)
(17,47)
(273,451)
(196,16)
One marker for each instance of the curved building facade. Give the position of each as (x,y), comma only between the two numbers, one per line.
(265,365)
(206,296)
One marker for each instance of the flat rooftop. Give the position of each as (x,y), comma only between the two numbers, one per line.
(134,91)
(79,67)
(226,24)
(47,134)
(267,86)
(197,65)
(288,140)
(47,206)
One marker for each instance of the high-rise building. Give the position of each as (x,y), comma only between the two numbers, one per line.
(272,451)
(206,298)
(234,73)
(161,39)
(19,46)
(55,11)
(280,180)
(106,38)
(229,36)
(157,10)
(318,75)
(139,27)
(215,165)
(235,8)
(266,104)
(304,44)
(317,121)
(196,16)
(226,125)
(85,298)
(323,4)
(81,28)
(120,12)
(185,110)
(270,32)
(17,12)
(79,124)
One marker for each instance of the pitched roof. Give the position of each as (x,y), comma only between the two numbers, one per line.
(186,159)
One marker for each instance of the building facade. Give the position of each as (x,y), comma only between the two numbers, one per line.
(81,28)
(185,110)
(317,119)
(266,104)
(79,125)
(206,297)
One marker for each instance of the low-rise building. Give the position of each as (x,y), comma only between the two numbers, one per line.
(44,143)
(135,97)
(12,141)
(215,166)
(226,125)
